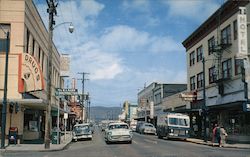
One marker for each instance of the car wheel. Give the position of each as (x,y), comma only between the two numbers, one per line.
(130,142)
(107,142)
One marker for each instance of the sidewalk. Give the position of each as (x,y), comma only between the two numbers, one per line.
(65,140)
(209,143)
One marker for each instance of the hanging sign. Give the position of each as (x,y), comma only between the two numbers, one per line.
(242,32)
(31,74)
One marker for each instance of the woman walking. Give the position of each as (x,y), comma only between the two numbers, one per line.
(223,135)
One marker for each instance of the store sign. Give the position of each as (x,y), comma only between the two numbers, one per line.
(66,91)
(242,32)
(31,74)
(64,65)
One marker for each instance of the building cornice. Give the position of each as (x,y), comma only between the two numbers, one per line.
(227,10)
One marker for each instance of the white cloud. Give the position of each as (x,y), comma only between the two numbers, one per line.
(195,9)
(128,39)
(138,5)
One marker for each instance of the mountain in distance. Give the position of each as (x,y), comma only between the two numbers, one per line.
(98,113)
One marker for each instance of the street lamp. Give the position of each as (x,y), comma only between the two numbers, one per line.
(52,11)
(5,89)
(204,107)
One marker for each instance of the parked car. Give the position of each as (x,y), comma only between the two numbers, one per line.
(118,132)
(81,131)
(147,128)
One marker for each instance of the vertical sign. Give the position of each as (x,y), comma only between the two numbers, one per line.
(242,32)
(64,65)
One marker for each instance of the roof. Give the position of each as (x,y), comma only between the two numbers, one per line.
(227,10)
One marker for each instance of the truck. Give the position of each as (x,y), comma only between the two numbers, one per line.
(173,125)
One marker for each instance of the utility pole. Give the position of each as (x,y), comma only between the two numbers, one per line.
(52,11)
(83,80)
(4,108)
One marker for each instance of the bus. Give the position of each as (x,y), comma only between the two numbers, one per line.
(173,125)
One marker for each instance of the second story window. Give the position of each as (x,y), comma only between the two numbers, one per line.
(192,83)
(200,80)
(212,74)
(238,66)
(199,53)
(192,58)
(211,45)
(226,36)
(235,30)
(227,68)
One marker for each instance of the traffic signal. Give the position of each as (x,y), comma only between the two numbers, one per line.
(16,107)
(11,107)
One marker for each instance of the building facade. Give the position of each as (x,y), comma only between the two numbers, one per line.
(27,74)
(218,71)
(158,98)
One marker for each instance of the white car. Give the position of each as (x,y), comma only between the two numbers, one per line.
(147,128)
(81,131)
(118,132)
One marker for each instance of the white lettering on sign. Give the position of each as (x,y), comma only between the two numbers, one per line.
(242,32)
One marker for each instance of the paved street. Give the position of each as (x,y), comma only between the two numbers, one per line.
(142,146)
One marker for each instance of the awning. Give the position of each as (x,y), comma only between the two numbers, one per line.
(29,103)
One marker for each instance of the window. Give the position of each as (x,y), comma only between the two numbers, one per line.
(3,45)
(27,41)
(212,74)
(235,30)
(227,68)
(238,66)
(3,37)
(191,58)
(211,45)
(226,35)
(33,47)
(200,80)
(199,52)
(192,83)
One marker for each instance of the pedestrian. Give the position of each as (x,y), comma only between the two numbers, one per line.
(223,135)
(217,135)
(214,134)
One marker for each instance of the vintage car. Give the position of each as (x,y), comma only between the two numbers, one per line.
(147,128)
(118,132)
(81,131)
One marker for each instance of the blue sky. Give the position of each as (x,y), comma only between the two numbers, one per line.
(125,44)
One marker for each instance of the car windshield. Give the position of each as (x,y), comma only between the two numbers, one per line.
(149,125)
(118,126)
(81,128)
(179,121)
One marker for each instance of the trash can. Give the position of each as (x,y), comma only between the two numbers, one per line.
(56,138)
(13,135)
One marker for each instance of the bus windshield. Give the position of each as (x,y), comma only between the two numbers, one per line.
(179,121)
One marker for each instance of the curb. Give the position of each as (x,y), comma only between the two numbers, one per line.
(36,150)
(216,145)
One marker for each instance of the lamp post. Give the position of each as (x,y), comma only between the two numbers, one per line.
(52,11)
(5,90)
(204,107)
